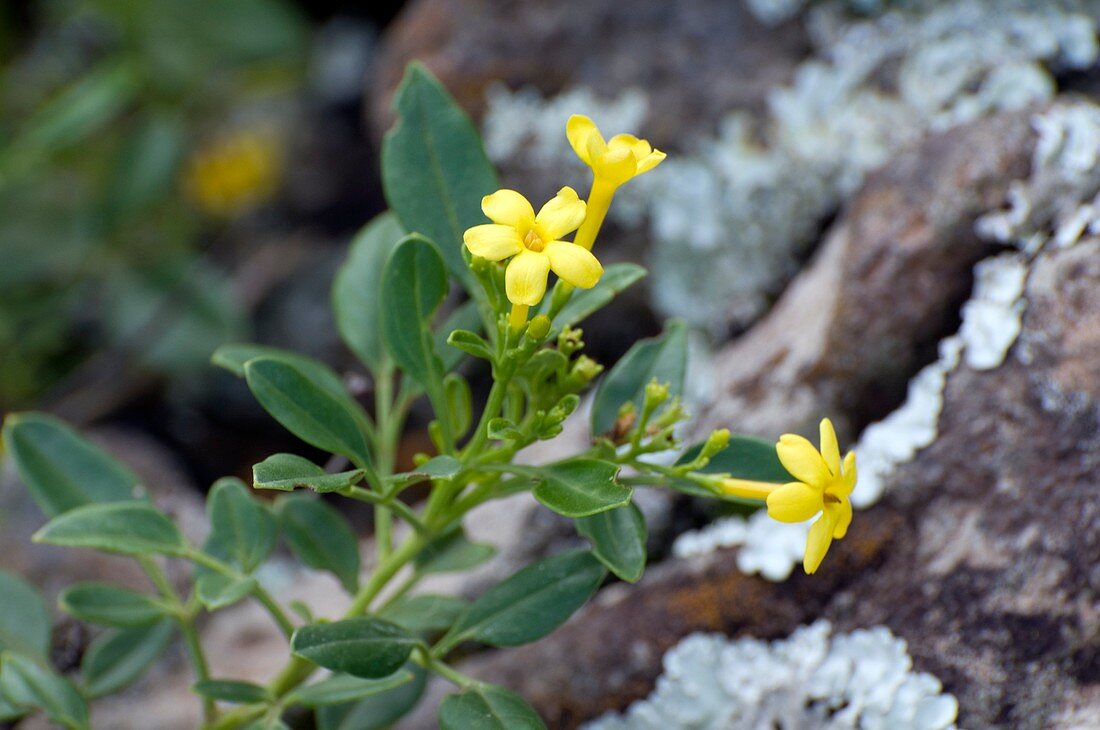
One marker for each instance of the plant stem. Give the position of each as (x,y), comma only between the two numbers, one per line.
(452,675)
(260,594)
(384,455)
(395,505)
(186,622)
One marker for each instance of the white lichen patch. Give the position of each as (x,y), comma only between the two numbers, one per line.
(769,548)
(993,316)
(864,679)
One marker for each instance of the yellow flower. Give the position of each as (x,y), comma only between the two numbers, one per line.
(622,157)
(534,242)
(236,173)
(612,162)
(824,485)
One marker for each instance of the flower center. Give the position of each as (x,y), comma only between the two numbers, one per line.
(533,242)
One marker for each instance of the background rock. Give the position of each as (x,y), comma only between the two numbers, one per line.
(603,44)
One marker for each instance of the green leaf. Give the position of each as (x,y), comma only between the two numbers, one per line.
(414,284)
(378,711)
(103,603)
(421,614)
(24,618)
(235,355)
(471,343)
(451,552)
(663,358)
(83,108)
(531,603)
(580,487)
(128,528)
(306,408)
(61,469)
(243,528)
(584,302)
(217,591)
(362,647)
(434,168)
(25,683)
(147,165)
(618,539)
(487,707)
(232,691)
(439,467)
(746,457)
(320,537)
(356,295)
(341,688)
(117,658)
(286,472)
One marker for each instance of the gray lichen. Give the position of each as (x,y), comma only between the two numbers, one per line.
(864,679)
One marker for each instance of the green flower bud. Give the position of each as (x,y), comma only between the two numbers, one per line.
(539,327)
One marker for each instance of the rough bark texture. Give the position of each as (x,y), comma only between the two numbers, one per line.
(984,556)
(713,55)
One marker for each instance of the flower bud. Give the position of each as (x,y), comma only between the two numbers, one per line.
(717,441)
(539,327)
(655,394)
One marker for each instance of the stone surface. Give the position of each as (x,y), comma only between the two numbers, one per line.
(713,56)
(884,286)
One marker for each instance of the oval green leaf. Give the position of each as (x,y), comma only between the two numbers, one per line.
(434,168)
(377,711)
(60,468)
(584,302)
(580,487)
(128,528)
(414,284)
(663,358)
(241,527)
(117,658)
(306,408)
(24,618)
(25,683)
(103,603)
(488,707)
(421,614)
(287,472)
(232,691)
(618,538)
(531,603)
(356,297)
(362,647)
(320,537)
(340,688)
(217,591)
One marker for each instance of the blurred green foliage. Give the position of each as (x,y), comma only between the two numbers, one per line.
(105,104)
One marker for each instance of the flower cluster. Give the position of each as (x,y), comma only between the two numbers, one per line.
(533,242)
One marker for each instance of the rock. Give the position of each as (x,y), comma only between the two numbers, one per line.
(714,55)
(882,289)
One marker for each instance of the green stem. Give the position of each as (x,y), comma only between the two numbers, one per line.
(386,570)
(452,675)
(395,505)
(384,455)
(258,592)
(186,621)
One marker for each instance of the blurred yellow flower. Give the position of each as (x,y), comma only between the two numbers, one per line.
(535,245)
(613,162)
(824,485)
(235,173)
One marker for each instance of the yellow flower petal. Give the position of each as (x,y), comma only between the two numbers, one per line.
(794,502)
(830,451)
(575,265)
(615,166)
(848,479)
(508,208)
(747,488)
(639,147)
(843,512)
(580,129)
(818,541)
(802,460)
(493,241)
(525,277)
(647,163)
(561,215)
